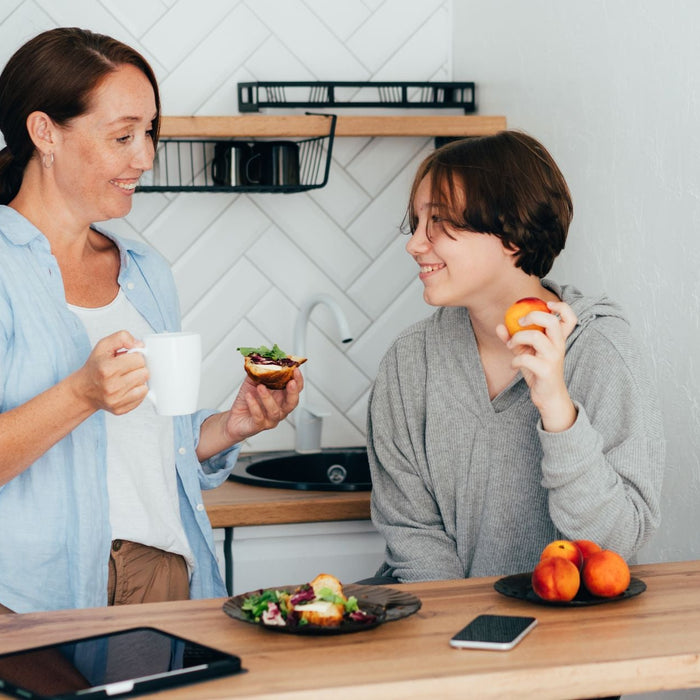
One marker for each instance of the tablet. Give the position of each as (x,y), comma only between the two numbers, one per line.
(119,664)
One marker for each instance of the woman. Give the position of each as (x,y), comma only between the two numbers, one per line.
(100,498)
(485,447)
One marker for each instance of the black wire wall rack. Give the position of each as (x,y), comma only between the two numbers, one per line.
(254,96)
(213,165)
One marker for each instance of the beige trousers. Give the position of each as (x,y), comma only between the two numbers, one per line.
(141,574)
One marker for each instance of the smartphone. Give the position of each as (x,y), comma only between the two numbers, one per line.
(500,632)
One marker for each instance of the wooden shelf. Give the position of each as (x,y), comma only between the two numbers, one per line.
(183,137)
(257,126)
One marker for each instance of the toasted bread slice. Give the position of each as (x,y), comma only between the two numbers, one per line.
(328,581)
(273,376)
(322,613)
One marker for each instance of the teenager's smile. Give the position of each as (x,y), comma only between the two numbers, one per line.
(429,269)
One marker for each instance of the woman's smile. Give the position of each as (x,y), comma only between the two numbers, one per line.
(128,186)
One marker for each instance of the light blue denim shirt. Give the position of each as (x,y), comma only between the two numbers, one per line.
(54,517)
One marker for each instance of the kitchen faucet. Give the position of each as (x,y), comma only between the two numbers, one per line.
(309,420)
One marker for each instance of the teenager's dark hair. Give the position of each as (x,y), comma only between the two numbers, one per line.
(507,185)
(56,72)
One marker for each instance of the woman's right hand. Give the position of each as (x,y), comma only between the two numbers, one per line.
(112,379)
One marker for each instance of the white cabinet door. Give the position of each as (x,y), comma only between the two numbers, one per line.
(275,555)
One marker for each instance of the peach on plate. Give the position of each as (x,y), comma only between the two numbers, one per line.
(587,547)
(556,579)
(605,574)
(563,548)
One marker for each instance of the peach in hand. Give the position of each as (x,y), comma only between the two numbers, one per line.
(521,308)
(605,574)
(556,579)
(563,548)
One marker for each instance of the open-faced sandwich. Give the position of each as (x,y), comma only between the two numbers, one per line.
(321,603)
(273,368)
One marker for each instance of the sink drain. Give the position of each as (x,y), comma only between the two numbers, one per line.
(336,473)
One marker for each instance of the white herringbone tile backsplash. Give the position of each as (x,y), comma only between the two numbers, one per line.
(245,263)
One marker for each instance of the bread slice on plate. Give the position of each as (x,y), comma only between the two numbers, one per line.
(324,613)
(330,582)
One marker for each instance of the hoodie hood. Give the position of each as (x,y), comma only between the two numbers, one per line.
(586,308)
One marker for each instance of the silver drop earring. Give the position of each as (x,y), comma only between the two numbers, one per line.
(47,160)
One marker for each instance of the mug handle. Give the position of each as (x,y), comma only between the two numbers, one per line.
(254,179)
(220,164)
(150,395)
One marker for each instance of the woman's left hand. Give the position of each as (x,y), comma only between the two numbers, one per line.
(255,408)
(540,358)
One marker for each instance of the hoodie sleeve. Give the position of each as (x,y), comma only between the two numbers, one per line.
(604,474)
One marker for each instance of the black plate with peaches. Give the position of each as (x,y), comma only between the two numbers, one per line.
(573,573)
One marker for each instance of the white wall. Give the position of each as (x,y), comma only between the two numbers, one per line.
(613,90)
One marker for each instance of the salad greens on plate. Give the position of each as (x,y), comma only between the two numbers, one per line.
(283,608)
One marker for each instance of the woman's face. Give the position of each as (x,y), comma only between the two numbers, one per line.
(102,153)
(457,268)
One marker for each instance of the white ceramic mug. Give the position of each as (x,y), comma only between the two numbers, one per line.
(174,366)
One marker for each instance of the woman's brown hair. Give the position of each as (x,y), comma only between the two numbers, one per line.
(507,185)
(56,73)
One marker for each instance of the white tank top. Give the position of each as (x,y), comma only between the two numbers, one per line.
(141,476)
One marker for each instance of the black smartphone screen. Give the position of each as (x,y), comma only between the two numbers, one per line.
(493,631)
(119,664)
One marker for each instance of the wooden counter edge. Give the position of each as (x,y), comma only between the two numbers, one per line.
(236,505)
(583,680)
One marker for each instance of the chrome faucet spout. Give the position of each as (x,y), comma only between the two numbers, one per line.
(303,320)
(309,421)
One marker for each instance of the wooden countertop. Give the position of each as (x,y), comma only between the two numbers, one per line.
(649,642)
(234,504)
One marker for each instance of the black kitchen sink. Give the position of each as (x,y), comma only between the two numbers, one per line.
(332,469)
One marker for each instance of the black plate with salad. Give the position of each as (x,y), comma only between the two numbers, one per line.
(301,610)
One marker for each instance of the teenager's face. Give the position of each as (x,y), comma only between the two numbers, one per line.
(103,152)
(457,268)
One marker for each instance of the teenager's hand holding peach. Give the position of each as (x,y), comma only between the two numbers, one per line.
(519,310)
(539,356)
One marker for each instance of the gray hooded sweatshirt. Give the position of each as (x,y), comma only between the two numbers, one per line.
(463,485)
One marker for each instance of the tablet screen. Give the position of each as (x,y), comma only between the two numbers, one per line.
(119,664)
